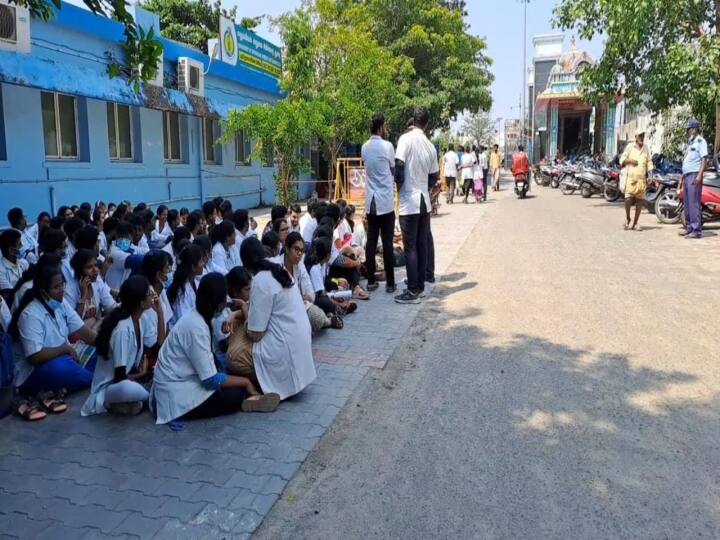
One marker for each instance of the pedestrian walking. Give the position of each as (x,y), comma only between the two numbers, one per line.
(638,164)
(496,160)
(467,165)
(450,168)
(416,170)
(693,168)
(379,157)
(484,163)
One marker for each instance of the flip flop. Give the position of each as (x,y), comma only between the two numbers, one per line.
(336,322)
(30,410)
(261,403)
(53,402)
(359,294)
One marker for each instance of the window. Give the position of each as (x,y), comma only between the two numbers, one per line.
(59,113)
(119,132)
(243,149)
(171,136)
(211,131)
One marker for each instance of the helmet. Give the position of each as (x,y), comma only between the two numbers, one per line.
(692,124)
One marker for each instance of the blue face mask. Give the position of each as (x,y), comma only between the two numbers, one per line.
(123,244)
(54,304)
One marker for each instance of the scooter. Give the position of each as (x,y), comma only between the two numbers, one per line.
(592,181)
(709,198)
(666,202)
(611,186)
(521,186)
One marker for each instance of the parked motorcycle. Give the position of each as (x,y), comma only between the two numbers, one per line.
(591,181)
(709,198)
(611,186)
(666,202)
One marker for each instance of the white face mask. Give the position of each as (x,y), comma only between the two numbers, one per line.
(218,220)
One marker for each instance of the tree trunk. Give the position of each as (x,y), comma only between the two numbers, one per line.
(716,147)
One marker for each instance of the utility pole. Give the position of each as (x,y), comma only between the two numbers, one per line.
(523,135)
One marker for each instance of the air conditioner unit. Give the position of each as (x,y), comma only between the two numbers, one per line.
(14,27)
(191,77)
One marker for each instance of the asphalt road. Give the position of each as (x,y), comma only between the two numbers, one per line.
(563,381)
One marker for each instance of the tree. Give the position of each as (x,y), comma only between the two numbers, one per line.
(141,49)
(191,21)
(284,127)
(662,53)
(451,68)
(333,61)
(479,127)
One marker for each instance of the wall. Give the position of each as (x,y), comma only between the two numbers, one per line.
(30,181)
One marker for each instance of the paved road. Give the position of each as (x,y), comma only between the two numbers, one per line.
(562,382)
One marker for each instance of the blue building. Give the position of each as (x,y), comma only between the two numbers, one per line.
(69,133)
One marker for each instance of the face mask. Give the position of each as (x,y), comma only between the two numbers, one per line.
(123,244)
(218,220)
(168,282)
(53,304)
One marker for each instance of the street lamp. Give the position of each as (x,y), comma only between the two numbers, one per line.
(524,88)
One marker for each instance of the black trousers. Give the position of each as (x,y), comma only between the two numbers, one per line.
(467,187)
(485,183)
(323,302)
(383,226)
(352,275)
(430,269)
(221,403)
(415,230)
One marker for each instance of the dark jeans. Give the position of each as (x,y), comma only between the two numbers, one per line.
(485,183)
(430,270)
(352,275)
(467,187)
(221,403)
(384,226)
(450,193)
(324,302)
(415,230)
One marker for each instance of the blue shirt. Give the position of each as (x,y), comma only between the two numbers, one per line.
(696,152)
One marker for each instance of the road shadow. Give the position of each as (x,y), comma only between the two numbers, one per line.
(443,291)
(456,276)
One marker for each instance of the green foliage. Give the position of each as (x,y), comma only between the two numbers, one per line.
(333,61)
(189,21)
(674,133)
(451,69)
(284,127)
(141,49)
(480,128)
(662,53)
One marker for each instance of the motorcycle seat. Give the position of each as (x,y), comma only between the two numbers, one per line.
(711,180)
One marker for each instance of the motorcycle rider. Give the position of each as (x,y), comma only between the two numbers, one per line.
(694,164)
(637,164)
(521,165)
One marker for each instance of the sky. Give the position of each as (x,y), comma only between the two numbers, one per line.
(499,21)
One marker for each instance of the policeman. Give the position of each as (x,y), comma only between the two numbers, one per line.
(694,164)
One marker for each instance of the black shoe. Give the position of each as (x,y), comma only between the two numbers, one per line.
(430,279)
(372,286)
(390,289)
(408,297)
(405,281)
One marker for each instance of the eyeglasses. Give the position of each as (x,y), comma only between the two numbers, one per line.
(298,249)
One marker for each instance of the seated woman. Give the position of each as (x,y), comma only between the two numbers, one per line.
(281,227)
(277,325)
(316,263)
(186,383)
(224,253)
(180,240)
(161,232)
(12,265)
(292,261)
(343,262)
(271,244)
(204,243)
(182,290)
(120,347)
(41,327)
(26,281)
(87,293)
(156,267)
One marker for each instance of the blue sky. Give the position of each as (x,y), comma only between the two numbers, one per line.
(499,21)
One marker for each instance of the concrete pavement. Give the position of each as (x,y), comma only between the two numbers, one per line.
(561,382)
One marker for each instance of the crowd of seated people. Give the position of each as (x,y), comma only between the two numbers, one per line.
(189,314)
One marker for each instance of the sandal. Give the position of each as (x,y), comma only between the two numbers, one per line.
(336,322)
(626,226)
(261,403)
(30,410)
(53,402)
(359,294)
(351,308)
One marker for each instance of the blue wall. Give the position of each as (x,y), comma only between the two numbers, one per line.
(78,39)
